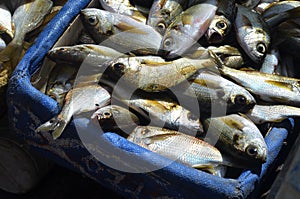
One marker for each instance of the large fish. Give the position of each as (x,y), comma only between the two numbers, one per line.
(217,93)
(120,32)
(253,34)
(238,138)
(178,147)
(187,28)
(152,73)
(78,100)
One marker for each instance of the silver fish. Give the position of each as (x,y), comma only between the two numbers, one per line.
(253,34)
(79,100)
(2,44)
(187,28)
(177,146)
(239,138)
(163,12)
(260,114)
(90,53)
(120,32)
(152,73)
(5,21)
(214,91)
(123,7)
(270,62)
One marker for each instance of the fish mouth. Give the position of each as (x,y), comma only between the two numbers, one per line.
(215,37)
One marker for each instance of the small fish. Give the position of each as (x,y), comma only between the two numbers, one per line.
(5,21)
(177,146)
(152,73)
(238,138)
(78,100)
(253,34)
(163,12)
(123,7)
(187,28)
(26,18)
(91,53)
(260,114)
(222,22)
(267,87)
(214,91)
(120,32)
(115,118)
(162,110)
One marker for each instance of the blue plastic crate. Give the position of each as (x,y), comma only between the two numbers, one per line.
(28,108)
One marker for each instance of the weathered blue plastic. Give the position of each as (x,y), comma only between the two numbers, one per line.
(28,108)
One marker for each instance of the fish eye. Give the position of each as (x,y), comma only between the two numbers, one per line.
(168,42)
(161,26)
(118,66)
(221,25)
(92,20)
(251,150)
(107,114)
(240,99)
(261,48)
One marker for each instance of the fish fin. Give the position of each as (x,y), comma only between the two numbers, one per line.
(55,124)
(11,53)
(282,17)
(129,28)
(246,21)
(280,84)
(216,59)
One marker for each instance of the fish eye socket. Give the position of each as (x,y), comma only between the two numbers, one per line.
(93,20)
(261,48)
(251,150)
(240,99)
(118,66)
(221,25)
(161,26)
(168,42)
(107,114)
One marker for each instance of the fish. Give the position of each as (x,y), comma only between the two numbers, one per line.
(120,32)
(230,55)
(162,13)
(221,23)
(178,147)
(79,100)
(283,17)
(219,95)
(123,7)
(153,73)
(115,118)
(238,138)
(26,18)
(5,21)
(270,62)
(253,34)
(90,53)
(187,28)
(269,88)
(161,110)
(260,114)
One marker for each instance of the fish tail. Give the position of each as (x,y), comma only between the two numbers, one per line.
(12,54)
(282,17)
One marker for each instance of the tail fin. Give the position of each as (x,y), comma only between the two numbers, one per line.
(284,16)
(12,53)
(217,60)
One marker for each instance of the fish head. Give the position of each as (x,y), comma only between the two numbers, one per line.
(240,99)
(252,33)
(218,29)
(97,21)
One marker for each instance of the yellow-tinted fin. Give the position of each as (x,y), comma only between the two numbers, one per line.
(128,28)
(280,84)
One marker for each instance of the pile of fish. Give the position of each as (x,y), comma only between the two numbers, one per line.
(20,23)
(192,80)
